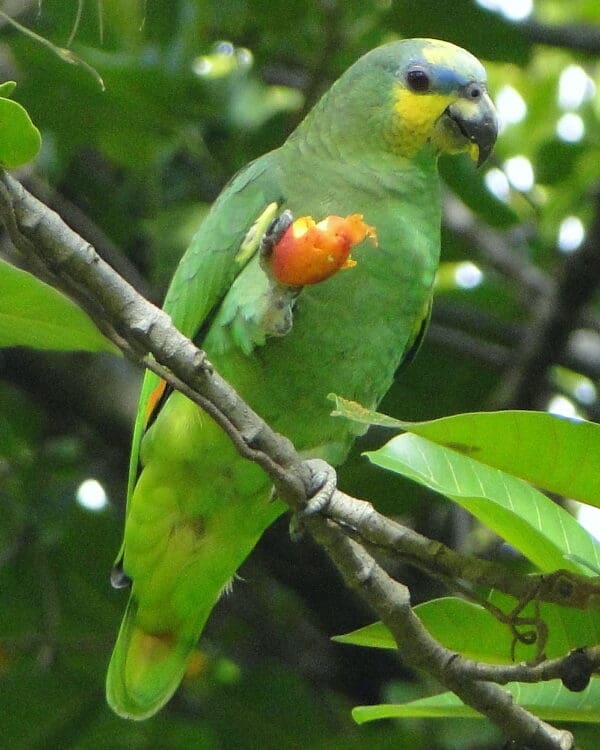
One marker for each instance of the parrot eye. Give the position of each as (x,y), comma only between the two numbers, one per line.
(474,91)
(418,80)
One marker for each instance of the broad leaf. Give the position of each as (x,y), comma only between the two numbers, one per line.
(7,88)
(359,413)
(554,453)
(35,314)
(548,700)
(527,519)
(472,631)
(375,635)
(20,140)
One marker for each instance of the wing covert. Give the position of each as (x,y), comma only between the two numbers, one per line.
(210,265)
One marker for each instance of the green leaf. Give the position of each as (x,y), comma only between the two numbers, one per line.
(7,88)
(359,413)
(459,625)
(558,454)
(472,631)
(375,635)
(548,700)
(20,140)
(36,315)
(526,518)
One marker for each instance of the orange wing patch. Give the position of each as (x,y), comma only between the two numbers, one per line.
(154,400)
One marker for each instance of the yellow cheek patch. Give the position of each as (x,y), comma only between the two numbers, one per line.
(415,117)
(420,111)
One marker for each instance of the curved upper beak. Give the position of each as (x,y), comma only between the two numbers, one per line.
(478,122)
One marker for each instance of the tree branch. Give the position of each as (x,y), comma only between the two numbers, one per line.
(496,248)
(556,315)
(573,36)
(562,587)
(556,308)
(137,327)
(147,335)
(391,600)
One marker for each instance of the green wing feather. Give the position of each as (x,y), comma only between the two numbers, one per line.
(209,267)
(147,667)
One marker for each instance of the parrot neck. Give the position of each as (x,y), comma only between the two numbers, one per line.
(332,134)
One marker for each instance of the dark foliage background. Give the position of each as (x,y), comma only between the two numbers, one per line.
(194,90)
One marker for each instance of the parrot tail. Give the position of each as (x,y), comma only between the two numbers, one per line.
(145,668)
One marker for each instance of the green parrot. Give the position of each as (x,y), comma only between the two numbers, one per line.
(195,508)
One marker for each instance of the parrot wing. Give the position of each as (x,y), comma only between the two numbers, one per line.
(223,245)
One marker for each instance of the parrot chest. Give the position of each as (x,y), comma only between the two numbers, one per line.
(349,332)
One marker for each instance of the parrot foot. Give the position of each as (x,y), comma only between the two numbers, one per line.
(277,318)
(277,315)
(274,232)
(323,485)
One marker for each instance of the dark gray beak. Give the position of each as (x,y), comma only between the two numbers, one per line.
(478,122)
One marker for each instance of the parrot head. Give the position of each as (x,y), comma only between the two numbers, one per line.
(440,97)
(416,95)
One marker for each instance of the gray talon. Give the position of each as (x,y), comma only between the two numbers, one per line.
(275,232)
(323,485)
(324,482)
(276,316)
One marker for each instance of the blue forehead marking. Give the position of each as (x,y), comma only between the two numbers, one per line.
(447,80)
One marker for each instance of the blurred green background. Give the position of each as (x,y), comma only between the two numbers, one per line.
(194,89)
